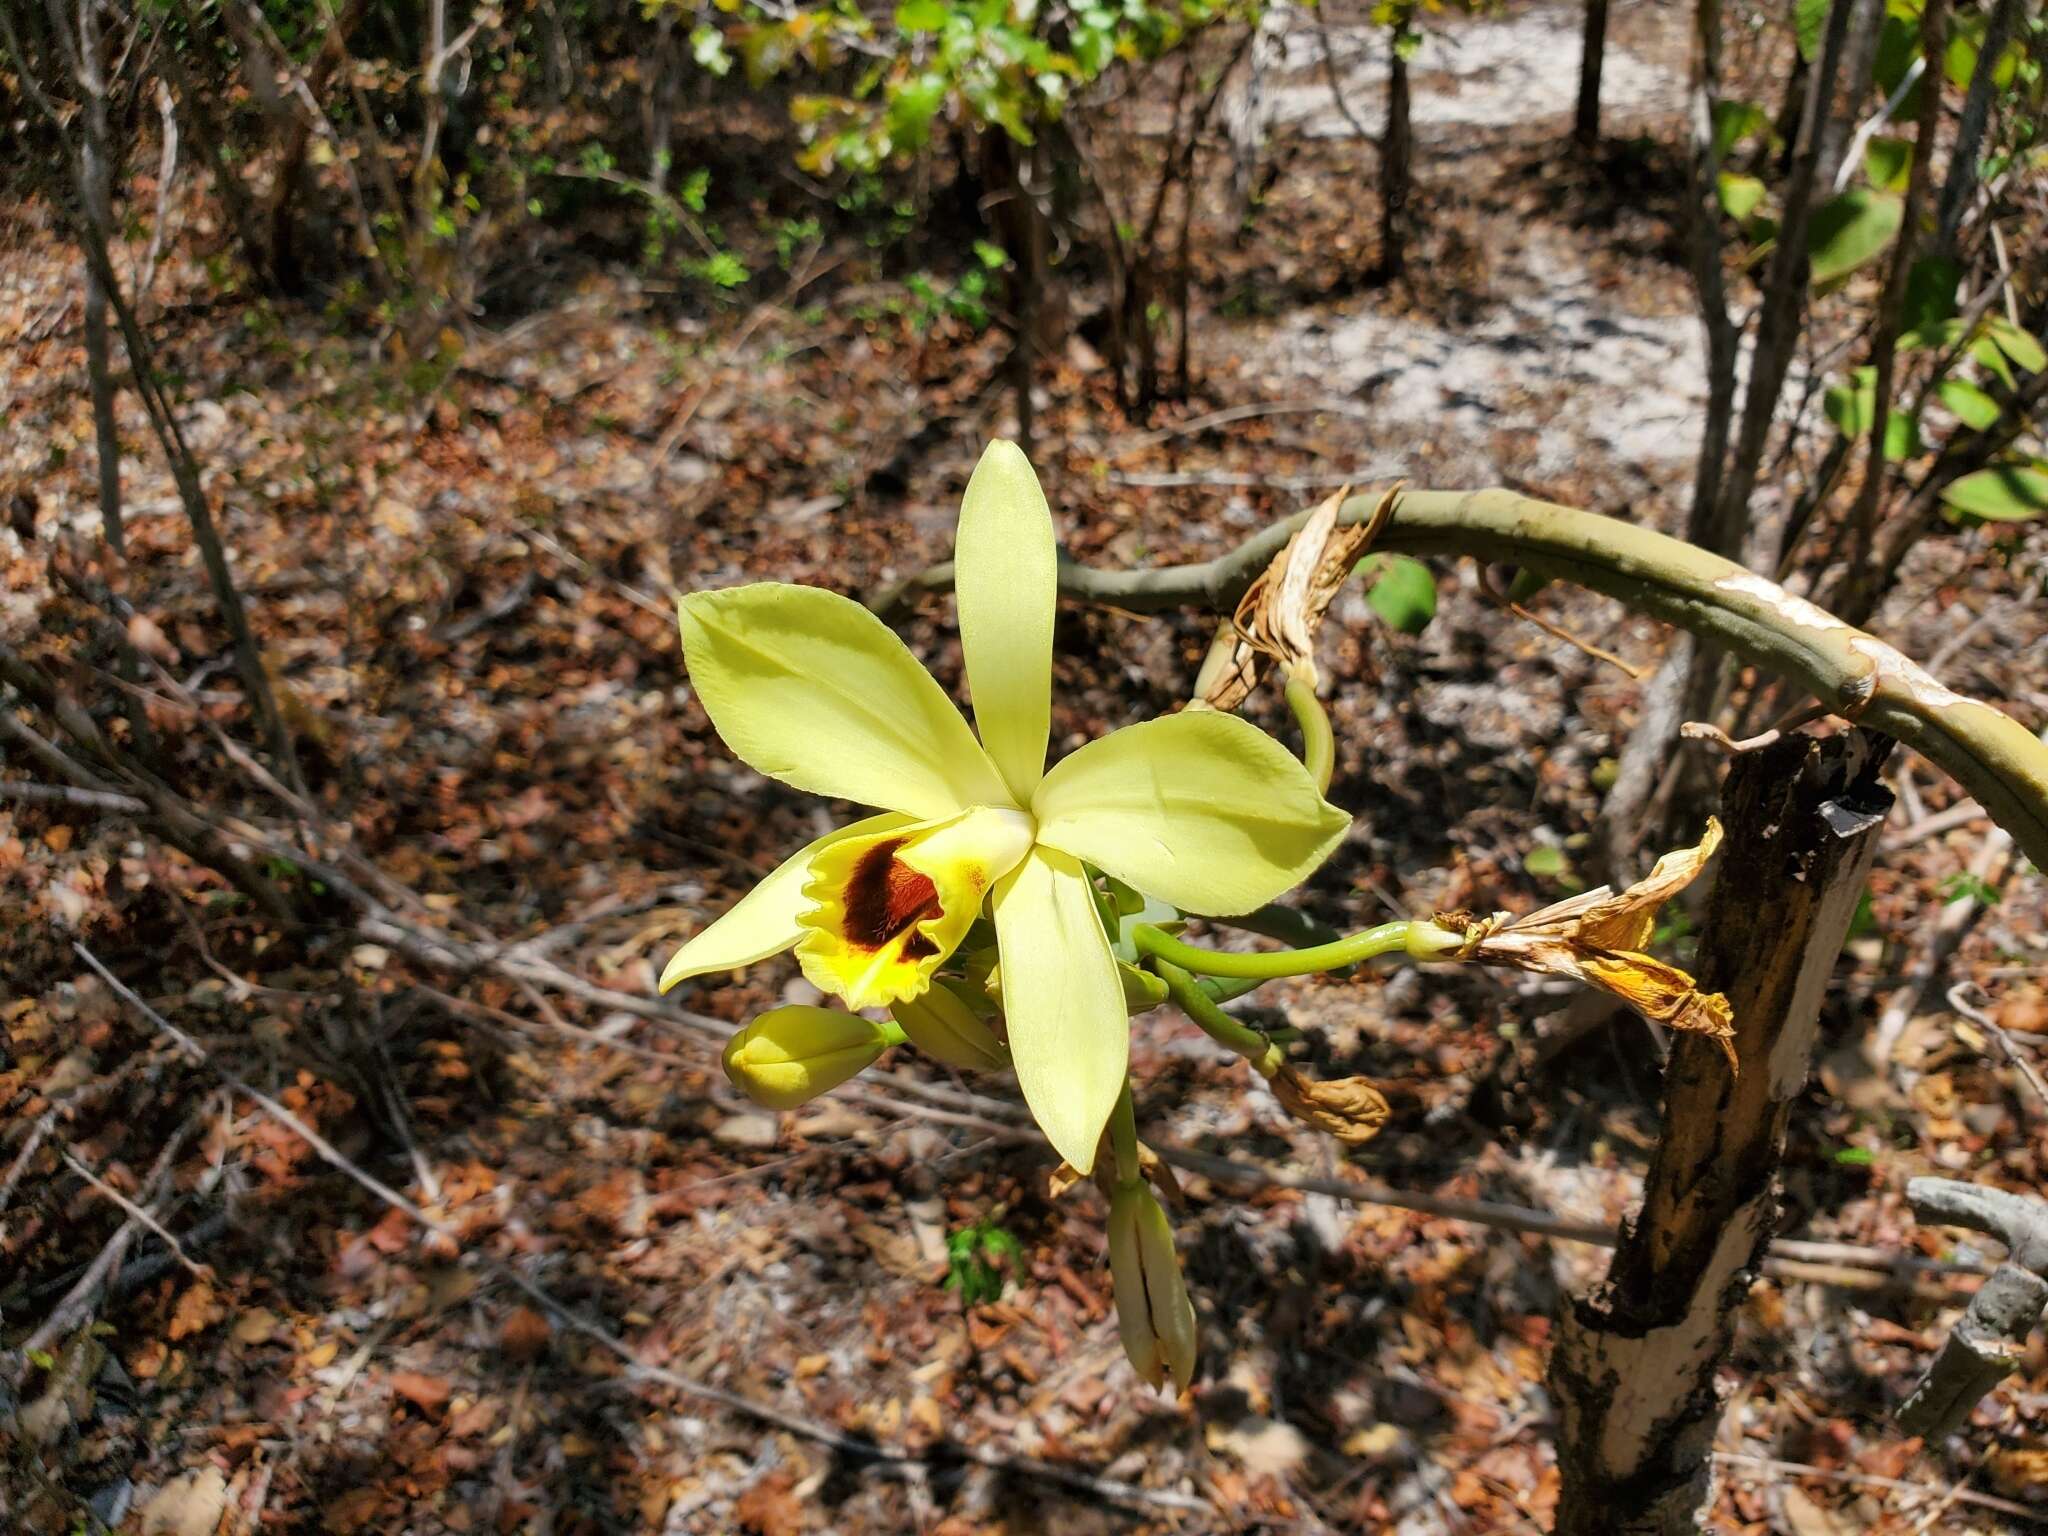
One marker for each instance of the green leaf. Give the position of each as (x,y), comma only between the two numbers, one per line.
(720,268)
(1901,436)
(1931,292)
(1986,352)
(1964,886)
(914,16)
(1970,405)
(1888,162)
(1850,230)
(1403,592)
(912,106)
(1898,45)
(1545,862)
(2017,345)
(1809,21)
(1740,195)
(1855,1157)
(1852,406)
(1735,121)
(2004,493)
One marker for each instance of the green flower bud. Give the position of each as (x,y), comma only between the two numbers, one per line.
(1153,1314)
(943,1023)
(1142,990)
(788,1056)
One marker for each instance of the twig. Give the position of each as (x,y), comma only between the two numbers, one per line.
(1926,827)
(66,794)
(1996,1031)
(1559,632)
(134,1212)
(1174,479)
(1994,757)
(79,1301)
(1235,413)
(166,174)
(270,1106)
(1986,1343)
(15,1169)
(1940,939)
(807,271)
(1871,1480)
(1852,157)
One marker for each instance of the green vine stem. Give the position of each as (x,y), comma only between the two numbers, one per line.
(1855,674)
(1318,745)
(1418,940)
(1123,1137)
(1255,1046)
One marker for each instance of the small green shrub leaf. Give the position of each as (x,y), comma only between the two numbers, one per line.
(2004,493)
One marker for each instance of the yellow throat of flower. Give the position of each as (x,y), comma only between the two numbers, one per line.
(888,909)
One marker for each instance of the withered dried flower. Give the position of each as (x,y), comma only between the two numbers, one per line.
(1277,618)
(1352,1109)
(1598,938)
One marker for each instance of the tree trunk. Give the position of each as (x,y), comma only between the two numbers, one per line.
(1634,1367)
(1860,570)
(1397,156)
(1586,125)
(1961,185)
(1859,62)
(208,134)
(1019,228)
(96,186)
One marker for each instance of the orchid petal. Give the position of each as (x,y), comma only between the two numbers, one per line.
(1004,572)
(765,921)
(886,911)
(810,688)
(1069,1034)
(1200,809)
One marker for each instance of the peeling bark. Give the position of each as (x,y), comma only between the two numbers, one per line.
(1634,1367)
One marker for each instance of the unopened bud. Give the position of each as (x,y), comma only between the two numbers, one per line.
(1142,990)
(943,1024)
(788,1056)
(1154,1317)
(1432,940)
(1351,1109)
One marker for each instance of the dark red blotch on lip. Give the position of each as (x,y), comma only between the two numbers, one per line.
(884,897)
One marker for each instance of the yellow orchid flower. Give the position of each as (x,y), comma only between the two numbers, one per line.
(1201,810)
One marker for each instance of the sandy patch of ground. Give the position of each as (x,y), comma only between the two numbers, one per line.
(1499,73)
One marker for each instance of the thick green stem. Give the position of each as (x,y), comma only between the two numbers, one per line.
(1855,674)
(1123,1136)
(1223,989)
(1241,1039)
(1318,746)
(1387,939)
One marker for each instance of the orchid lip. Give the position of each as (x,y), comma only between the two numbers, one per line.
(888,909)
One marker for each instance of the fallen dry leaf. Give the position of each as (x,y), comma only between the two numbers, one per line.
(418,1388)
(189,1506)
